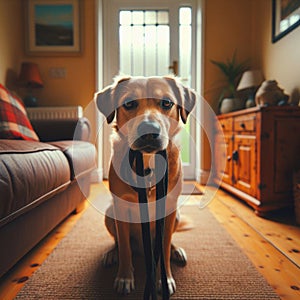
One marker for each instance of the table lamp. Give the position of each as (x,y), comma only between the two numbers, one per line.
(250,81)
(30,78)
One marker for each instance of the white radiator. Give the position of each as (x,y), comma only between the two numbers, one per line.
(55,113)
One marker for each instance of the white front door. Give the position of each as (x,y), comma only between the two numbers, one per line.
(151,38)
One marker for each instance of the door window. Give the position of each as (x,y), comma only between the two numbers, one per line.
(144,37)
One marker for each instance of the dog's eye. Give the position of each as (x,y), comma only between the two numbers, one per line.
(130,104)
(166,104)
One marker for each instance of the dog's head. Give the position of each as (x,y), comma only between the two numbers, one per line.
(147,109)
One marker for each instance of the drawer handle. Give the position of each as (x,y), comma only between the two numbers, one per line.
(228,158)
(235,155)
(243,125)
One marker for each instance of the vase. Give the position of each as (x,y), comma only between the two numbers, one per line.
(227,105)
(231,104)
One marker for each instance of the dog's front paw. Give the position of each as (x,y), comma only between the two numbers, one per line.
(171,286)
(124,286)
(110,258)
(178,256)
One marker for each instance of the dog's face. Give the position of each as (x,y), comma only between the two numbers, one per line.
(147,110)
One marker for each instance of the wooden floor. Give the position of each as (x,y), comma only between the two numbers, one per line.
(273,244)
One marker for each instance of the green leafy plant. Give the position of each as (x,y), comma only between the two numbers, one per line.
(232,71)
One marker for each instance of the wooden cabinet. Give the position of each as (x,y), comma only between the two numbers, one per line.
(256,152)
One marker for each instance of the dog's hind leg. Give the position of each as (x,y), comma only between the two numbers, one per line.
(111,258)
(110,222)
(178,256)
(170,222)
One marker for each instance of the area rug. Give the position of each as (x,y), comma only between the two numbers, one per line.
(189,188)
(217,268)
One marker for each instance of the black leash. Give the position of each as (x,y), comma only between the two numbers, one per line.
(161,193)
(152,256)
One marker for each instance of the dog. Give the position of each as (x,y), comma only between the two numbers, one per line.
(147,112)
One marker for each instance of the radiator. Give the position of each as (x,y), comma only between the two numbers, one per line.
(55,113)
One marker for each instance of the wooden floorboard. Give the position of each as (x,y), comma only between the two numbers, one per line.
(271,244)
(278,229)
(278,269)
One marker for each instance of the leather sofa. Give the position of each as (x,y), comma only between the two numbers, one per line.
(41,183)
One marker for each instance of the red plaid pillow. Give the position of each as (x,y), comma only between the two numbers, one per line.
(14,123)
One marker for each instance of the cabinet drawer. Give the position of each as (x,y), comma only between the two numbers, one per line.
(245,123)
(226,124)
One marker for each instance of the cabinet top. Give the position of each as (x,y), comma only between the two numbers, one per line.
(262,109)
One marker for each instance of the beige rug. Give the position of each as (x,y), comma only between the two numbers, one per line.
(216,269)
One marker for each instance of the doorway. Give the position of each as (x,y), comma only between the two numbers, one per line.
(154,38)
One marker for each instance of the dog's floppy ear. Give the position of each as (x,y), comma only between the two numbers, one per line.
(186,97)
(189,101)
(106,101)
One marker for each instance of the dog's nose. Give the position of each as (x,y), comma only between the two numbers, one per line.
(148,130)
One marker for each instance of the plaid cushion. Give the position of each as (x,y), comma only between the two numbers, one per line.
(14,123)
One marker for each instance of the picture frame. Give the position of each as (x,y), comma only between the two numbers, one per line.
(285,17)
(53,27)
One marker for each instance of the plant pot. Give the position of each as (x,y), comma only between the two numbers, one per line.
(226,106)
(238,104)
(231,104)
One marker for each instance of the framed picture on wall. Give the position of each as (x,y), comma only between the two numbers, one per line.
(53,27)
(285,17)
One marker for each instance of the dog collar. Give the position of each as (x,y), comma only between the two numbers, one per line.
(128,175)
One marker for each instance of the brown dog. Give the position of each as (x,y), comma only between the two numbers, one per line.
(148,112)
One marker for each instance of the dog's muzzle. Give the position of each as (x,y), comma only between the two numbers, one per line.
(149,137)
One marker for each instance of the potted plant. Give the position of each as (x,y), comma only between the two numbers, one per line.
(232,71)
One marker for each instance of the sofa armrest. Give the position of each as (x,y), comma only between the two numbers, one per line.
(57,130)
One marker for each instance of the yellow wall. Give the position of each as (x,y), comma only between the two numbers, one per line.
(11,49)
(281,60)
(228,28)
(78,87)
(247,26)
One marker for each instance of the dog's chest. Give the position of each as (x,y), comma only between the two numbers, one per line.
(136,239)
(134,211)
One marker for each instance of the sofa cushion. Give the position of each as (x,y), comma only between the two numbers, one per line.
(30,172)
(79,155)
(14,123)
(59,130)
